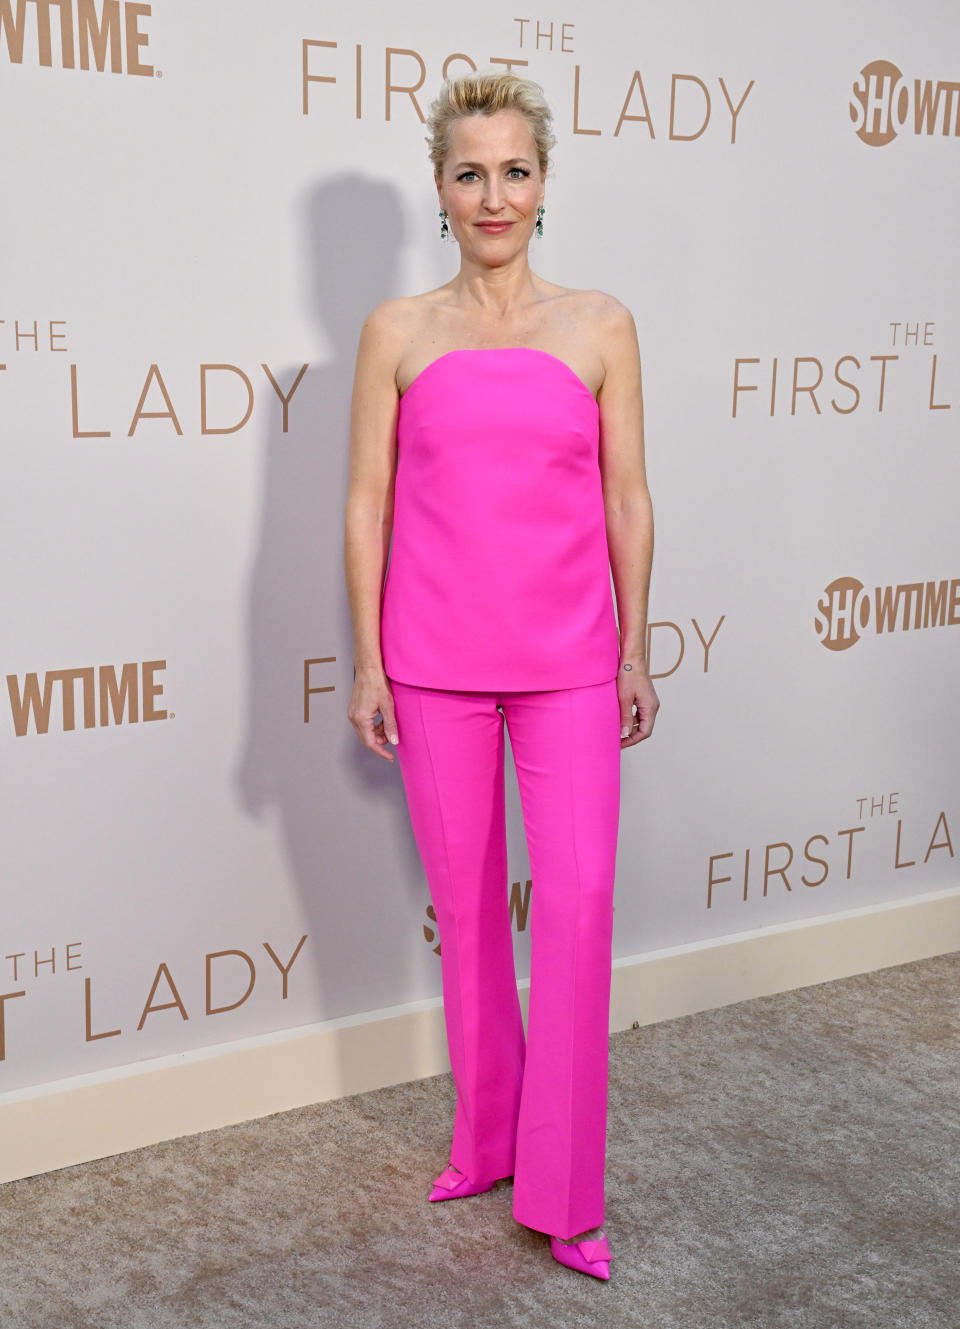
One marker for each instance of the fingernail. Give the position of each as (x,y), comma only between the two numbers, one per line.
(394,738)
(625,731)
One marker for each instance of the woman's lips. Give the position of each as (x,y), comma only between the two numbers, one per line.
(495,227)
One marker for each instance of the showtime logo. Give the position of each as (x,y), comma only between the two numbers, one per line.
(884,104)
(108,695)
(112,36)
(847,606)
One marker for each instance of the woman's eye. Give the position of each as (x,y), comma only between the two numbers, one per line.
(523,171)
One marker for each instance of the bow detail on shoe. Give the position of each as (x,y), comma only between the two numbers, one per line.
(453,1185)
(449,1179)
(589,1256)
(599,1249)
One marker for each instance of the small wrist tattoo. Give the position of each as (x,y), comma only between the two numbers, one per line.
(628,666)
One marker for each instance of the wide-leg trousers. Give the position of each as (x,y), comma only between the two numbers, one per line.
(532,1106)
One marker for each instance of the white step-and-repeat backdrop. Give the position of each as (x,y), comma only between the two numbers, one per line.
(201,202)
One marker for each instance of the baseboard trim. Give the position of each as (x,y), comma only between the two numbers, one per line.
(86,1117)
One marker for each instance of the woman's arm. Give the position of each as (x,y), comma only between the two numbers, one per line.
(629,512)
(369,520)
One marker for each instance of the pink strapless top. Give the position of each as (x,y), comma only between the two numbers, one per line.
(499,572)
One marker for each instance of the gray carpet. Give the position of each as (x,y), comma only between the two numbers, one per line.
(789,1162)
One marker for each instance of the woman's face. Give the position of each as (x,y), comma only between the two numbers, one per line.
(491,183)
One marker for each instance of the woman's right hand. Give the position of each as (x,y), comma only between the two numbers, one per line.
(372,695)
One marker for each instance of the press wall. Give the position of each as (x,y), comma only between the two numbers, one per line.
(200,204)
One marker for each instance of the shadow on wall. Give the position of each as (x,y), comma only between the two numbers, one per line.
(334,800)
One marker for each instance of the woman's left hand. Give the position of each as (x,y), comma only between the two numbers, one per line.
(635,688)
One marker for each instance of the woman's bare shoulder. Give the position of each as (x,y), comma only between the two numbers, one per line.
(612,325)
(390,317)
(394,325)
(603,309)
(401,312)
(598,316)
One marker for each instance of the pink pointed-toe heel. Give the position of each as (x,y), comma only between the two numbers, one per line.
(588,1257)
(451,1185)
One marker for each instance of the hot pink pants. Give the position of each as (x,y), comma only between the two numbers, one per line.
(532,1107)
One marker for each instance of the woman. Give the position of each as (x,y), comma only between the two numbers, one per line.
(497,437)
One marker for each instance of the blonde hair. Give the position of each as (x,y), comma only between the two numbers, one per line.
(483,94)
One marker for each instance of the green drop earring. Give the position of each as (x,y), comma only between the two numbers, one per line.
(444,228)
(540,211)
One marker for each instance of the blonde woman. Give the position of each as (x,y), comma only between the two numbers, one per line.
(497,453)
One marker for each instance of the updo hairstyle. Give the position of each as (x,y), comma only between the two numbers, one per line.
(484,93)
